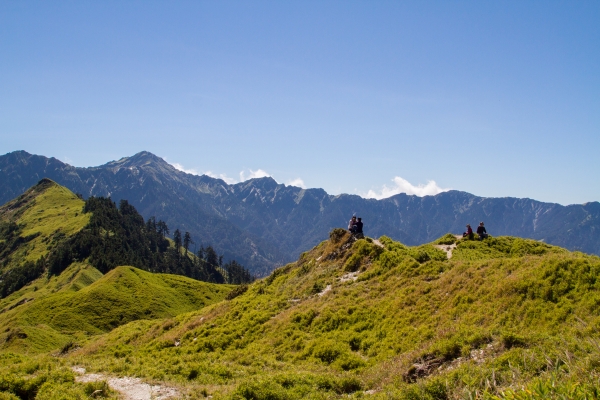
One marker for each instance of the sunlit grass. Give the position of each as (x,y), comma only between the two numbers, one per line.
(476,326)
(55,212)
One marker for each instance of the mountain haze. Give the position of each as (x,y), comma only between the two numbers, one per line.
(264,224)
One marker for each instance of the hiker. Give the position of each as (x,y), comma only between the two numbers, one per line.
(469,232)
(481,231)
(359,226)
(352,224)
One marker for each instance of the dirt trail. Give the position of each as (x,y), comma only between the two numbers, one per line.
(130,388)
(448,247)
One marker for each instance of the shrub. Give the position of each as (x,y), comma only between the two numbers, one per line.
(361,250)
(259,390)
(448,238)
(337,234)
(510,340)
(349,362)
(327,351)
(348,385)
(238,291)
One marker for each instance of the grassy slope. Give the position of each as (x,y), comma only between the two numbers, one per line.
(49,210)
(36,336)
(54,317)
(50,312)
(498,315)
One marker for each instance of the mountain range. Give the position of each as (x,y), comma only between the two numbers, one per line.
(264,224)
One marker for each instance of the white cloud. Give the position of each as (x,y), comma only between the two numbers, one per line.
(259,173)
(244,176)
(401,185)
(228,180)
(296,182)
(183,169)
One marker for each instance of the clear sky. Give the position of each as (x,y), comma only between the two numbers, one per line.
(366,97)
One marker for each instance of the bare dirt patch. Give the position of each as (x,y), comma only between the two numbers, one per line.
(350,276)
(377,242)
(327,289)
(130,388)
(446,248)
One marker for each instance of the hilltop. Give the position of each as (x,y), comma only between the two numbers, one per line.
(64,273)
(48,228)
(263,224)
(380,319)
(31,227)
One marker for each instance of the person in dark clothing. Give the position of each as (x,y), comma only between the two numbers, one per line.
(469,232)
(481,231)
(359,226)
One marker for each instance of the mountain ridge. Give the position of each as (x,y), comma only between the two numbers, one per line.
(265,224)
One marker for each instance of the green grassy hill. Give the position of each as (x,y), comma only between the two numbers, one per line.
(48,228)
(45,213)
(42,311)
(81,302)
(33,225)
(503,318)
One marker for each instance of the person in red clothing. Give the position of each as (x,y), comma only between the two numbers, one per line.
(469,232)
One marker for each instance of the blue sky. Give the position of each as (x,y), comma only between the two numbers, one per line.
(493,98)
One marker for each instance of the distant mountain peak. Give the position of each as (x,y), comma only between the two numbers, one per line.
(146,156)
(266,183)
(141,159)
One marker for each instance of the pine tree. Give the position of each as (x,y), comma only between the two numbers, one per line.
(187,239)
(212,258)
(162,228)
(177,239)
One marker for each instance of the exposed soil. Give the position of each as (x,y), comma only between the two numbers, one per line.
(130,388)
(447,248)
(377,242)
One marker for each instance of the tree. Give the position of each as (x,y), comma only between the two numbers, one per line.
(162,227)
(187,239)
(177,239)
(211,256)
(151,224)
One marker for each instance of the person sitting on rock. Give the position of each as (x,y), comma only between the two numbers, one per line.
(352,224)
(359,226)
(481,231)
(469,232)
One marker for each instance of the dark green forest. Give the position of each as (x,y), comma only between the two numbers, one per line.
(120,236)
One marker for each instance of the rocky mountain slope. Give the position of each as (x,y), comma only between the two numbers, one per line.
(264,224)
